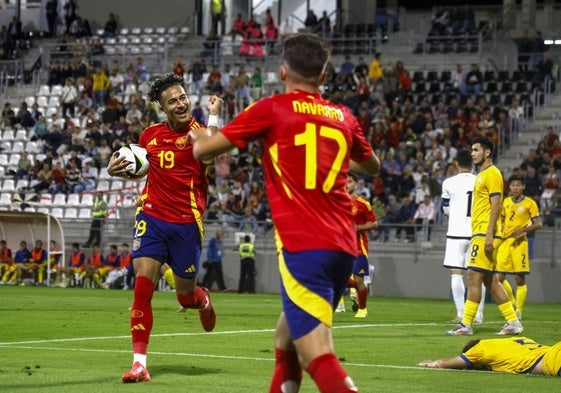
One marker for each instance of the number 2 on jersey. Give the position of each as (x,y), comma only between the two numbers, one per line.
(309,139)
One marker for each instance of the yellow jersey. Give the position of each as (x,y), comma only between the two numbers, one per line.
(514,355)
(518,214)
(488,183)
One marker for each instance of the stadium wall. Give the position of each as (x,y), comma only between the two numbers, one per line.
(400,275)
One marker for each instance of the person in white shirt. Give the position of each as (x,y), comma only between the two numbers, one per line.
(132,113)
(117,81)
(457,193)
(516,113)
(425,215)
(68,97)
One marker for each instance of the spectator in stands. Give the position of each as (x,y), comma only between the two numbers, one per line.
(405,216)
(375,71)
(542,70)
(439,21)
(35,112)
(213,82)
(23,166)
(238,27)
(390,217)
(256,84)
(243,96)
(141,71)
(347,67)
(15,29)
(133,113)
(179,67)
(525,48)
(457,81)
(74,179)
(469,19)
(110,28)
(68,97)
(197,113)
(24,118)
(117,81)
(197,69)
(425,215)
(8,116)
(550,184)
(44,177)
(69,14)
(311,21)
(97,48)
(99,88)
(323,27)
(211,48)
(456,21)
(271,31)
(473,81)
(51,11)
(40,129)
(59,179)
(403,79)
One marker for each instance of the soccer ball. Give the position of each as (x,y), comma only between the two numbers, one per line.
(137,158)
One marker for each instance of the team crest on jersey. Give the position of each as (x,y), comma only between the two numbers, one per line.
(354,210)
(181,142)
(479,181)
(520,208)
(136,244)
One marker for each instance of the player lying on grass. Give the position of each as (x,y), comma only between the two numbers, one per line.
(514,355)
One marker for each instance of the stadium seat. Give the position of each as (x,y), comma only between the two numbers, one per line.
(44,90)
(46,199)
(5,198)
(8,135)
(42,101)
(103,174)
(2,172)
(59,199)
(73,200)
(4,159)
(117,185)
(14,159)
(87,200)
(29,100)
(21,135)
(70,212)
(489,76)
(57,212)
(56,91)
(9,185)
(21,184)
(5,146)
(31,147)
(102,185)
(148,30)
(136,31)
(44,210)
(85,213)
(18,147)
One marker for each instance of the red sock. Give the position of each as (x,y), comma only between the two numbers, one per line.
(362,296)
(329,376)
(287,368)
(195,299)
(141,314)
(351,283)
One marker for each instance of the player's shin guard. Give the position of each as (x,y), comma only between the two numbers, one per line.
(141,314)
(329,376)
(509,292)
(195,299)
(287,376)
(351,283)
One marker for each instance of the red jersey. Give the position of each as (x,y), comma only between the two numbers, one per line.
(306,143)
(362,213)
(176,187)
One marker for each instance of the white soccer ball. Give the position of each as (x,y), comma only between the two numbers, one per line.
(137,157)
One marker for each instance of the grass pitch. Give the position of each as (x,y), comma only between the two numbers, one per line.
(76,340)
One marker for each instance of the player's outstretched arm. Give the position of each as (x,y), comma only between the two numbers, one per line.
(206,147)
(118,166)
(455,362)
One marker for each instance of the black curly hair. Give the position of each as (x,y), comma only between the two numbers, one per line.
(159,85)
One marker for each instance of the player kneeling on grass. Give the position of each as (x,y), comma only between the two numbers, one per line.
(513,355)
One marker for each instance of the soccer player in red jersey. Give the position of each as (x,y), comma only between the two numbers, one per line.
(169,226)
(364,220)
(308,145)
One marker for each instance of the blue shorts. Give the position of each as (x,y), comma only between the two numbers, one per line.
(361,266)
(312,283)
(177,244)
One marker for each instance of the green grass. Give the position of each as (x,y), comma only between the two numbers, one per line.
(74,340)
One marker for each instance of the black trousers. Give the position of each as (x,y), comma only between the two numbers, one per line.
(247,275)
(95,231)
(214,273)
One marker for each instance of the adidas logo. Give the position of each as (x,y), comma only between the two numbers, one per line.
(138,327)
(190,269)
(153,142)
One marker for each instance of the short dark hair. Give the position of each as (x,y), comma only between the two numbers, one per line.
(469,345)
(159,85)
(485,142)
(354,176)
(76,245)
(246,238)
(464,159)
(516,178)
(306,54)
